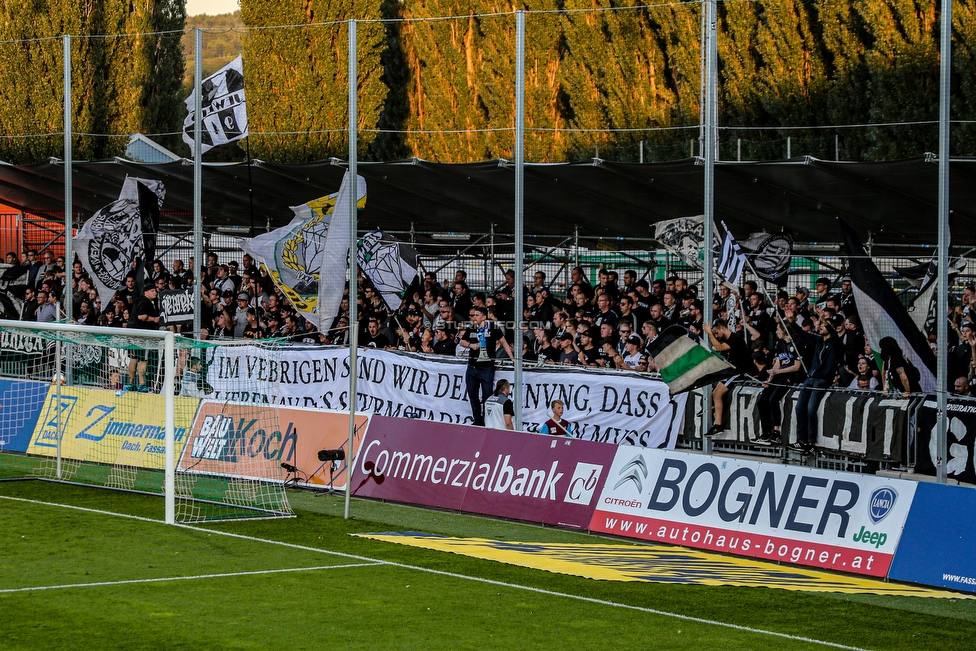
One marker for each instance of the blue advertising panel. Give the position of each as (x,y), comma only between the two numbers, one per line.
(20,406)
(938,546)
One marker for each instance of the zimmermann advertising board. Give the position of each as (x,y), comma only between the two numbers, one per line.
(839,521)
(548,479)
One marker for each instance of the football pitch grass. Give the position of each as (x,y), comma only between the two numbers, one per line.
(74,574)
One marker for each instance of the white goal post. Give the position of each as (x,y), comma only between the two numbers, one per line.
(114,390)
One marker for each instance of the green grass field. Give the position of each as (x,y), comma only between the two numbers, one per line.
(75,578)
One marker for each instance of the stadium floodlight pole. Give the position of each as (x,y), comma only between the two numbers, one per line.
(169,384)
(197,178)
(711,110)
(942,307)
(519,150)
(353,271)
(68,182)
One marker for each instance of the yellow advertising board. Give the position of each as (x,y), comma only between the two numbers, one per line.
(104,426)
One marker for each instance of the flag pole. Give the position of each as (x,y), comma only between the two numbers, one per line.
(353,271)
(68,186)
(519,148)
(942,307)
(197,179)
(709,71)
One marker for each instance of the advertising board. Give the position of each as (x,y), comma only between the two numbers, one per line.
(938,547)
(253,441)
(20,403)
(103,426)
(820,518)
(553,480)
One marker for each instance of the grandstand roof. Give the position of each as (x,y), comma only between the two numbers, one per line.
(896,201)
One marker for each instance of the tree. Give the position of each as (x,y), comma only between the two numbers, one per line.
(120,84)
(296,78)
(903,75)
(615,76)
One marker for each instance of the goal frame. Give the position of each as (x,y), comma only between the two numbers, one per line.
(169,390)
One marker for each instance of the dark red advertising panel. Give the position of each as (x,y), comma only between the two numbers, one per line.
(553,480)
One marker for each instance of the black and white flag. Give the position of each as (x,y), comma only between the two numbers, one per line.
(389,264)
(769,253)
(222,108)
(119,235)
(732,261)
(13,287)
(882,314)
(684,237)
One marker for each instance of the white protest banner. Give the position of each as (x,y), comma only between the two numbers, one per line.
(610,407)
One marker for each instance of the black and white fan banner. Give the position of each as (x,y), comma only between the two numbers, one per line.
(223,108)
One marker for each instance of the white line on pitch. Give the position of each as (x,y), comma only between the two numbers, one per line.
(375,561)
(186,578)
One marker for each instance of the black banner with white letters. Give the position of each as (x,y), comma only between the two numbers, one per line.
(176,306)
(961,443)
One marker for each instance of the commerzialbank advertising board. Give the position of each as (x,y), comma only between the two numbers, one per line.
(832,520)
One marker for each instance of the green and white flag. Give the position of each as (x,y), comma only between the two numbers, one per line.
(684,363)
(307,258)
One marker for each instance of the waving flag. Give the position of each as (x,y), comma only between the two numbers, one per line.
(120,234)
(683,237)
(684,363)
(223,108)
(389,264)
(882,314)
(294,256)
(13,288)
(732,261)
(769,253)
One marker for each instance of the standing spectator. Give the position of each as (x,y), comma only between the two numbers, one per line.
(734,348)
(897,374)
(827,354)
(961,387)
(144,316)
(29,312)
(557,425)
(786,371)
(567,350)
(47,306)
(481,339)
(33,268)
(499,409)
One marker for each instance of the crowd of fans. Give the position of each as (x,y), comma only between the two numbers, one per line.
(812,338)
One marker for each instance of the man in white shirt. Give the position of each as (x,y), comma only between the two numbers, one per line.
(499,409)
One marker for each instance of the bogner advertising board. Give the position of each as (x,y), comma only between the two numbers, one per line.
(253,441)
(820,518)
(533,477)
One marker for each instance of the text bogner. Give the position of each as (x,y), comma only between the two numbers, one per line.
(497,477)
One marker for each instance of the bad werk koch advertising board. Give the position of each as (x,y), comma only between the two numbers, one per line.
(832,520)
(533,477)
(253,441)
(611,407)
(105,426)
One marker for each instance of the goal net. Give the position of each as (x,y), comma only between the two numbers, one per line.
(133,410)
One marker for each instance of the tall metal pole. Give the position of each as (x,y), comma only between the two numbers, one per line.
(197,178)
(169,435)
(942,314)
(68,198)
(353,271)
(519,208)
(711,117)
